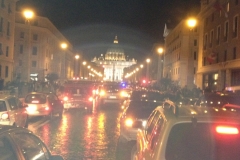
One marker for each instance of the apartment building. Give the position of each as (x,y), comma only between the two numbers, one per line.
(219,48)
(180,56)
(7,25)
(38,50)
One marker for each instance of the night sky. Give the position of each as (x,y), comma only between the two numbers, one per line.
(91,25)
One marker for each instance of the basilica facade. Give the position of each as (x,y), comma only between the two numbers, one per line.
(114,62)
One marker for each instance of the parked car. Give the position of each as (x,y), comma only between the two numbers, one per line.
(188,132)
(17,143)
(12,111)
(43,104)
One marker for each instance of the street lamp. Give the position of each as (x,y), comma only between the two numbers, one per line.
(28,14)
(76,65)
(160,64)
(147,73)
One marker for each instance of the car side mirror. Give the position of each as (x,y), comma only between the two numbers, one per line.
(56,157)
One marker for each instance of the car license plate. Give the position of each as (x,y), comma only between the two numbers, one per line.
(114,97)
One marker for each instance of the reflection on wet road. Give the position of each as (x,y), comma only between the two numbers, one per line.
(83,136)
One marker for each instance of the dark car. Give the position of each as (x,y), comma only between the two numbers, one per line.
(43,104)
(79,95)
(17,143)
(218,99)
(111,93)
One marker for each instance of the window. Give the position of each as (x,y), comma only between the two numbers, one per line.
(8,29)
(212,17)
(21,49)
(34,63)
(6,150)
(35,37)
(235,26)
(195,55)
(226,31)
(21,34)
(205,41)
(34,50)
(1,51)
(211,38)
(31,146)
(195,42)
(6,71)
(234,53)
(157,130)
(7,51)
(0,71)
(9,8)
(218,34)
(236,2)
(1,24)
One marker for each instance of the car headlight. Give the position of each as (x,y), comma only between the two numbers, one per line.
(144,123)
(102,93)
(129,122)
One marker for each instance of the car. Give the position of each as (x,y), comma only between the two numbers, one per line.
(12,111)
(111,93)
(218,99)
(43,104)
(187,132)
(79,95)
(17,143)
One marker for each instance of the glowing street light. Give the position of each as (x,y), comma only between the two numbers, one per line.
(64,45)
(147,73)
(28,14)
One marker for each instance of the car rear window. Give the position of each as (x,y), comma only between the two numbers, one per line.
(36,98)
(201,141)
(2,106)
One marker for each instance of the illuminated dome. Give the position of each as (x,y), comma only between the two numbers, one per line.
(115,52)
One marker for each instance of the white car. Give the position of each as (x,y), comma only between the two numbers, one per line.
(12,111)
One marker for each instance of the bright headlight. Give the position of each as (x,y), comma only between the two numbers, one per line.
(144,123)
(129,122)
(102,93)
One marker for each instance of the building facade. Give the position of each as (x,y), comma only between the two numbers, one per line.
(180,56)
(38,50)
(7,25)
(114,62)
(219,51)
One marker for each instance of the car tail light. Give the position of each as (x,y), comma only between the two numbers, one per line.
(129,122)
(4,116)
(46,108)
(94,91)
(65,98)
(227,130)
(90,99)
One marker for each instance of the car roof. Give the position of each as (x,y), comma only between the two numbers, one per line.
(4,96)
(4,128)
(188,112)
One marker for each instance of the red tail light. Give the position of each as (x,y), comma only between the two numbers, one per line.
(90,99)
(227,130)
(46,108)
(4,116)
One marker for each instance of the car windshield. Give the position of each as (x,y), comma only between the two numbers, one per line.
(155,96)
(36,98)
(2,106)
(201,141)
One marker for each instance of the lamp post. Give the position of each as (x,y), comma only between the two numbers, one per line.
(147,73)
(28,14)
(63,46)
(160,64)
(76,65)
(84,63)
(191,23)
